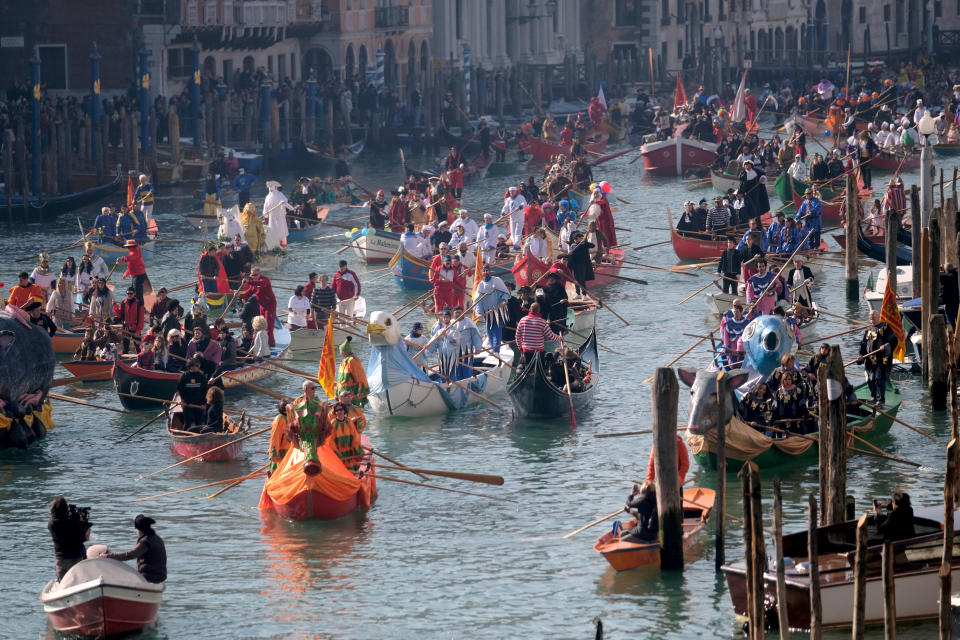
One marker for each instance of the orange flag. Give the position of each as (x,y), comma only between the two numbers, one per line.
(477,277)
(130,191)
(890,314)
(680,94)
(327,373)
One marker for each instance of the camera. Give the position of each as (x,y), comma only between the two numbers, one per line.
(81,514)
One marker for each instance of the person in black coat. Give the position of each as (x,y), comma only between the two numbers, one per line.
(580,261)
(688,219)
(251,309)
(171,319)
(515,313)
(192,388)
(753,187)
(876,355)
(799,279)
(150,552)
(729,267)
(213,414)
(642,503)
(69,531)
(228,350)
(898,523)
(177,350)
(555,299)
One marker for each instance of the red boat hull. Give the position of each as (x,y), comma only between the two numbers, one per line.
(110,613)
(688,248)
(542,150)
(66,341)
(829,212)
(313,505)
(675,156)
(605,274)
(531,270)
(90,370)
(188,450)
(890,162)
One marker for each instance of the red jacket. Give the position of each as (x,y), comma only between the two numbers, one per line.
(261,288)
(135,265)
(346,286)
(683,462)
(131,315)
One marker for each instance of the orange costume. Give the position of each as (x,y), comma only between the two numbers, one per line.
(683,462)
(20,296)
(279,441)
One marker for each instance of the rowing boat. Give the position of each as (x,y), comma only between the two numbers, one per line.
(534,395)
(624,555)
(90,370)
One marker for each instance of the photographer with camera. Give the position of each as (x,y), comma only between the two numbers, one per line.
(897,524)
(69,527)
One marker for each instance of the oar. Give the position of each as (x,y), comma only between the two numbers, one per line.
(433,486)
(655,244)
(692,347)
(469,477)
(59,382)
(866,355)
(199,486)
(700,290)
(389,459)
(595,522)
(653,268)
(255,474)
(61,249)
(177,464)
(619,277)
(57,396)
(154,419)
(461,386)
(882,452)
(566,376)
(896,419)
(603,304)
(832,335)
(580,335)
(623,433)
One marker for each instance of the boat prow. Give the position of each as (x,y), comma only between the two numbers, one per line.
(101,597)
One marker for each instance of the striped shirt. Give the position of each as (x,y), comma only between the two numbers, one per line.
(532,332)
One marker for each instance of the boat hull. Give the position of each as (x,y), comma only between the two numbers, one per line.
(377,247)
(410,272)
(90,370)
(675,156)
(623,556)
(535,396)
(541,150)
(41,207)
(66,342)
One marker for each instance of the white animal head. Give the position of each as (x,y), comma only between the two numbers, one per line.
(383,329)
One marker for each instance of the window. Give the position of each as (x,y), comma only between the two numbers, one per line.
(900,20)
(863,15)
(269,64)
(665,12)
(886,11)
(458,20)
(293,66)
(723,16)
(281,66)
(679,49)
(53,65)
(663,52)
(626,13)
(938,9)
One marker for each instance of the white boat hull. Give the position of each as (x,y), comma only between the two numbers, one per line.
(375,248)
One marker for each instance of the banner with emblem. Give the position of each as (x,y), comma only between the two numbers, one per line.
(890,314)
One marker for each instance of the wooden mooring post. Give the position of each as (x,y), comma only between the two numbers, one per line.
(754,556)
(889,593)
(813,558)
(937,343)
(890,246)
(930,288)
(916,232)
(860,580)
(833,439)
(669,504)
(850,256)
(720,508)
(946,561)
(783,618)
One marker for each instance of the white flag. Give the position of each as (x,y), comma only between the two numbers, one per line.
(600,97)
(739,113)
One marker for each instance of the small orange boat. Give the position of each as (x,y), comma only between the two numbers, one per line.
(66,341)
(90,370)
(623,555)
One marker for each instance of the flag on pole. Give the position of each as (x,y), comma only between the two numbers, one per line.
(890,314)
(477,277)
(130,190)
(739,113)
(679,94)
(327,372)
(602,98)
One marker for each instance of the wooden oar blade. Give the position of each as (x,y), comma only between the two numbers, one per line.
(469,477)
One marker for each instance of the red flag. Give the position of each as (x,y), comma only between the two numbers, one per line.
(327,371)
(130,191)
(680,94)
(890,314)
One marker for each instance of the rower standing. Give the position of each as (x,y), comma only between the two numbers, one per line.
(876,355)
(799,280)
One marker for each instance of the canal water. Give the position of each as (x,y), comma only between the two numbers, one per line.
(424,563)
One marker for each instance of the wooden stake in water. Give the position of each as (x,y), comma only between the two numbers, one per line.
(813,558)
(833,434)
(860,580)
(665,392)
(722,390)
(937,344)
(782,617)
(946,562)
(889,593)
(850,262)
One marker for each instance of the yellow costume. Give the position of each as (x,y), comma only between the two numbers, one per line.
(253,231)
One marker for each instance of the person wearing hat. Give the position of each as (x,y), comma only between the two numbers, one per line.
(798,170)
(351,376)
(741,209)
(763,289)
(580,260)
(441,236)
(416,341)
(810,214)
(512,210)
(39,318)
(25,291)
(442,275)
(136,268)
(242,183)
(798,280)
(275,209)
(688,220)
(732,324)
(260,288)
(490,298)
(487,238)
(149,552)
(460,235)
(753,187)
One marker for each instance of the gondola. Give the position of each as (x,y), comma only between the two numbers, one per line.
(535,396)
(46,207)
(878,252)
(147,388)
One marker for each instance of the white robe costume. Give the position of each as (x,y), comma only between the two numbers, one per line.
(275,207)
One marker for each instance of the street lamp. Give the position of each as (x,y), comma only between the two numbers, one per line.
(925,128)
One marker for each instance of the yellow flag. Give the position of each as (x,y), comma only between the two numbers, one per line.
(327,373)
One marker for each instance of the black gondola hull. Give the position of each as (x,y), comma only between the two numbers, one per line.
(535,396)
